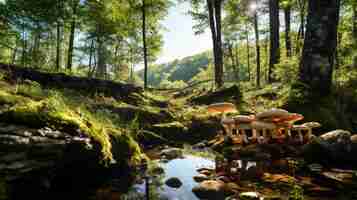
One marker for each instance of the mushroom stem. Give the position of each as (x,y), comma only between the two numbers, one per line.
(300,137)
(244,137)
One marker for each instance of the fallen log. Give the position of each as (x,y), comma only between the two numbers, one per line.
(61,80)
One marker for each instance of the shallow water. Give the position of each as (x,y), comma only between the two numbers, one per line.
(182,168)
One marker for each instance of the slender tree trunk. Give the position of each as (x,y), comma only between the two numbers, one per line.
(257,47)
(318,56)
(287,16)
(101,68)
(143,10)
(71,37)
(14,54)
(237,63)
(90,57)
(58,45)
(301,30)
(24,46)
(274,37)
(354,32)
(248,55)
(219,64)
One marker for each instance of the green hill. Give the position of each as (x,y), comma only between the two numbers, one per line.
(178,70)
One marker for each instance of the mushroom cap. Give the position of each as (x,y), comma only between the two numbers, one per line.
(221,108)
(244,126)
(272,113)
(300,127)
(312,124)
(263,125)
(227,120)
(244,118)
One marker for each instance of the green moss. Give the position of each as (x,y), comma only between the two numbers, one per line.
(10,99)
(55,112)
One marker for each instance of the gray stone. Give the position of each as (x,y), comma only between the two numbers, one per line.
(173,182)
(200,178)
(171,153)
(210,190)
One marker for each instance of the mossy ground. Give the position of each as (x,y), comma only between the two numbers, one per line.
(68,111)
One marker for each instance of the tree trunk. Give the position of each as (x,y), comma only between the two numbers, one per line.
(90,57)
(100,54)
(257,47)
(301,30)
(71,37)
(219,64)
(287,16)
(214,12)
(143,10)
(354,31)
(248,56)
(237,63)
(318,55)
(23,58)
(274,37)
(13,59)
(58,45)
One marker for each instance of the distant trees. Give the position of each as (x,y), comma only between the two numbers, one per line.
(82,36)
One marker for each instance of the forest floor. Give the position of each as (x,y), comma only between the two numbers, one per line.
(39,112)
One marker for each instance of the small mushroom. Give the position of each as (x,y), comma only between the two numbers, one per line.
(221,108)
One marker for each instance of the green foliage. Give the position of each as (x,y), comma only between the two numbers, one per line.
(287,70)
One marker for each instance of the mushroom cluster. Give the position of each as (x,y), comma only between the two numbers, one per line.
(274,124)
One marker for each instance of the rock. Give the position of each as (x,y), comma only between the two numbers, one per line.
(332,147)
(206,172)
(200,178)
(249,196)
(171,153)
(205,169)
(173,182)
(210,190)
(223,178)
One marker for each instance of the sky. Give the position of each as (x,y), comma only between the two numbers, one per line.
(179,38)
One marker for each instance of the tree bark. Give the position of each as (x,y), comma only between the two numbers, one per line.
(248,56)
(257,47)
(318,55)
(274,37)
(58,45)
(71,37)
(301,30)
(90,57)
(101,68)
(354,31)
(237,63)
(13,59)
(214,12)
(287,16)
(219,64)
(143,10)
